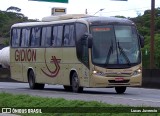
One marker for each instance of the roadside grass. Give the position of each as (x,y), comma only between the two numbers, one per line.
(62,107)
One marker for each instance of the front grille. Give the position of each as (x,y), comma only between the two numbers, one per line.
(118,75)
(123,81)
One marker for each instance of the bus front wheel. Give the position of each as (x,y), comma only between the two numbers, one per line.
(120,90)
(32,83)
(75,84)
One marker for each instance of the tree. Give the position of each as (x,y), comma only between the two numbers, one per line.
(118,16)
(7,19)
(13,8)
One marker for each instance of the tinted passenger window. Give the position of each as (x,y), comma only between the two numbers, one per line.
(69,35)
(16,37)
(46,36)
(25,37)
(57,36)
(35,36)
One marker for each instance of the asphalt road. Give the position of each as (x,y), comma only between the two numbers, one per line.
(132,96)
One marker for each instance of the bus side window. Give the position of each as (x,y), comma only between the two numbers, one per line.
(16,37)
(46,37)
(35,36)
(57,34)
(69,35)
(25,37)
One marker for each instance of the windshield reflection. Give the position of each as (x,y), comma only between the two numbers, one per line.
(114,45)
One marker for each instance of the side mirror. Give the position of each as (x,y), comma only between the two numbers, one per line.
(88,39)
(141,41)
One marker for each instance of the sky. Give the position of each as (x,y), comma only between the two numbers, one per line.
(39,9)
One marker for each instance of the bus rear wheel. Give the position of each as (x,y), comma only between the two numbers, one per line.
(32,84)
(75,84)
(120,90)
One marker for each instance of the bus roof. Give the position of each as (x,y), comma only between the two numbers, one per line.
(65,17)
(89,18)
(92,20)
(108,20)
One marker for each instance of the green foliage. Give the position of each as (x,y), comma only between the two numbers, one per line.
(13,8)
(143,26)
(144,30)
(7,19)
(157,50)
(9,100)
(6,42)
(69,107)
(118,16)
(146,52)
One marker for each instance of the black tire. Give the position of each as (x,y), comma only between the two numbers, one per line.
(75,84)
(120,90)
(40,86)
(31,81)
(67,88)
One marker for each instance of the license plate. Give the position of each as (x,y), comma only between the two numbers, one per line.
(119,79)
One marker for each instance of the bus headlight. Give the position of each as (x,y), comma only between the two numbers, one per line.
(94,72)
(98,73)
(136,72)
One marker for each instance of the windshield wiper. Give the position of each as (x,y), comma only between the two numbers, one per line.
(124,54)
(109,52)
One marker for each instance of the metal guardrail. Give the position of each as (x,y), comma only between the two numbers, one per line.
(4,72)
(5,75)
(151,78)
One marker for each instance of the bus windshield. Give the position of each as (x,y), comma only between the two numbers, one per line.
(115,45)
